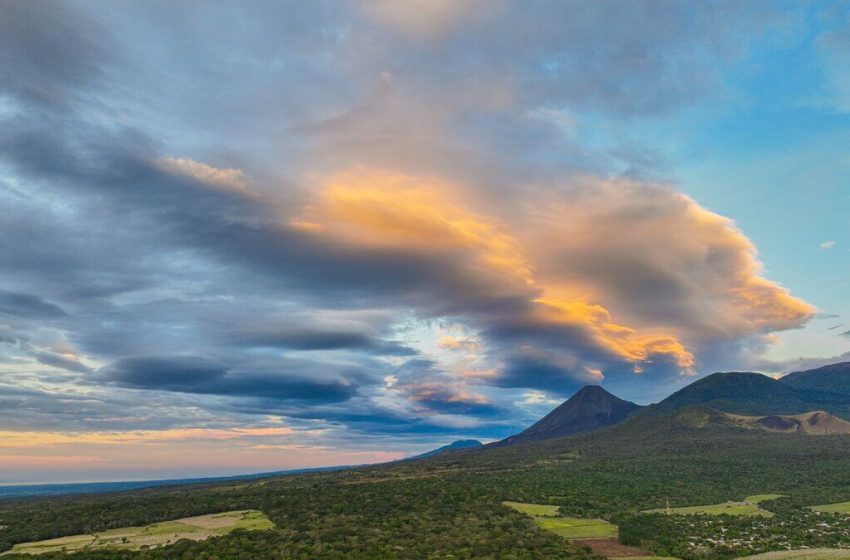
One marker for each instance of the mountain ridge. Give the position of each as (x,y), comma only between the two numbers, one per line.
(832,378)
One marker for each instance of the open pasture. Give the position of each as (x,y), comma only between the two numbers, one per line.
(534,510)
(547,518)
(840,507)
(196,528)
(749,506)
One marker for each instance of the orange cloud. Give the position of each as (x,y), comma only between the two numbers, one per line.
(658,260)
(674,274)
(454,343)
(383,210)
(621,341)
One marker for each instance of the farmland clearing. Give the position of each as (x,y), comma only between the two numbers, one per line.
(196,528)
(548,518)
(840,507)
(749,506)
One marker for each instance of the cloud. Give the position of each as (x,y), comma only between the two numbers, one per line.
(46,49)
(448,397)
(318,339)
(227,179)
(826,245)
(424,19)
(189,374)
(537,398)
(28,306)
(682,279)
(531,368)
(845,334)
(68,362)
(457,344)
(806,363)
(419,387)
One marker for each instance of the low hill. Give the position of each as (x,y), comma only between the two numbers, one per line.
(813,423)
(589,409)
(833,378)
(453,446)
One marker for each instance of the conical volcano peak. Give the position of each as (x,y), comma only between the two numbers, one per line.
(590,408)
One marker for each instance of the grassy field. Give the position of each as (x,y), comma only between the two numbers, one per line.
(840,507)
(534,510)
(133,538)
(810,554)
(749,506)
(576,528)
(759,498)
(547,518)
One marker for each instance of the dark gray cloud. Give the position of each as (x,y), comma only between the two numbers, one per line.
(64,407)
(444,400)
(313,339)
(190,374)
(542,370)
(28,306)
(48,50)
(62,362)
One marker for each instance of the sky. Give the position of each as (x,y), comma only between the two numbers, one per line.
(251,236)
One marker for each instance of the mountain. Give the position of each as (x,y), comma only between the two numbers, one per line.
(812,402)
(453,446)
(734,391)
(755,394)
(589,409)
(833,378)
